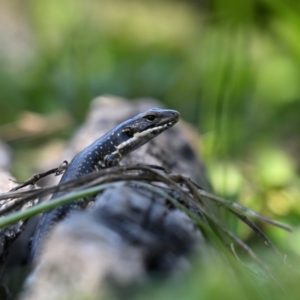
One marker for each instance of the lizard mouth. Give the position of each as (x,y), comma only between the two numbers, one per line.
(139,138)
(158,128)
(174,118)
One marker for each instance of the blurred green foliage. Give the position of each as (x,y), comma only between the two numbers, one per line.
(232,68)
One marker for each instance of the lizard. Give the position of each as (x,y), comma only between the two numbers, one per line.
(105,152)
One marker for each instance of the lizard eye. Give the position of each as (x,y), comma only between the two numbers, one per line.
(150,118)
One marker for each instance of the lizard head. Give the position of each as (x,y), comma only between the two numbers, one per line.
(151,123)
(138,130)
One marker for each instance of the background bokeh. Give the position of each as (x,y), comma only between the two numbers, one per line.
(232,69)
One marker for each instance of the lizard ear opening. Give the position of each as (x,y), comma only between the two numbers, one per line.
(128,131)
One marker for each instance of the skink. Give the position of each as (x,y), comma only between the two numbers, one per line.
(105,152)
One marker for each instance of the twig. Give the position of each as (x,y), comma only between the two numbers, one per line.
(190,193)
(45,206)
(112,174)
(259,233)
(36,177)
(238,207)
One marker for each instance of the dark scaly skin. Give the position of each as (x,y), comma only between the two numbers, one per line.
(105,152)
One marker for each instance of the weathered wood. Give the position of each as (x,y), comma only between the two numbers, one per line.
(128,232)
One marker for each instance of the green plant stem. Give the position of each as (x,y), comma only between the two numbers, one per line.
(20,215)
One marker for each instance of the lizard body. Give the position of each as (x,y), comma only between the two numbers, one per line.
(105,152)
